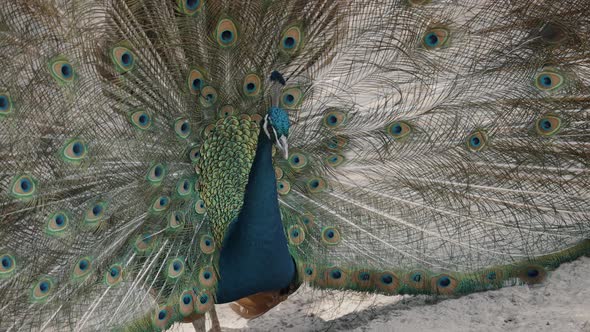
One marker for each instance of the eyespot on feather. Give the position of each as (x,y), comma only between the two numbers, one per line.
(226,111)
(95,213)
(200,207)
(204,301)
(195,154)
(23,187)
(182,127)
(252,85)
(398,129)
(256,118)
(74,151)
(493,277)
(552,33)
(548,80)
(363,279)
(443,284)
(297,160)
(207,244)
(387,282)
(42,289)
(336,277)
(296,235)
(175,220)
(279,173)
(417,280)
(436,38)
(336,143)
(334,160)
(144,243)
(57,223)
(208,96)
(196,81)
(161,203)
(6,105)
(226,33)
(207,277)
(316,185)
(291,40)
(330,236)
(7,265)
(334,119)
(532,274)
(308,220)
(175,268)
(308,272)
(161,318)
(156,174)
(62,71)
(476,141)
(190,7)
(186,303)
(82,268)
(184,187)
(141,120)
(283,187)
(548,125)
(123,58)
(291,98)
(114,275)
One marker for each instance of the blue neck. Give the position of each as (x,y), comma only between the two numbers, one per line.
(255,256)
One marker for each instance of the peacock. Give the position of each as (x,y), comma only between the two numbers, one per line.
(160,156)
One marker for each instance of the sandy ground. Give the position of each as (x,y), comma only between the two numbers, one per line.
(562,303)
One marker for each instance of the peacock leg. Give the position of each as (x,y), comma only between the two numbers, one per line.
(215,326)
(199,324)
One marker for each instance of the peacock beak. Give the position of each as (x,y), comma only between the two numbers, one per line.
(283,145)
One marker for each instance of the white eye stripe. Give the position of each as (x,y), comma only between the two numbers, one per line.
(265,127)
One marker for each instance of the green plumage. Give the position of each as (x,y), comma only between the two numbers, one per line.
(436,147)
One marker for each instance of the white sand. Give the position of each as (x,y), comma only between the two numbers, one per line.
(562,304)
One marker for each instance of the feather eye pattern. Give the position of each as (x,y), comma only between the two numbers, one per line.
(5,104)
(123,58)
(62,70)
(424,147)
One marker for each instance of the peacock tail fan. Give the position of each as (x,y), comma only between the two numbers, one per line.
(434,147)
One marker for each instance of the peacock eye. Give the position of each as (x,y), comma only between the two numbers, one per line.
(123,58)
(548,125)
(182,128)
(227,33)
(208,96)
(190,7)
(5,104)
(291,40)
(548,80)
(62,71)
(435,38)
(291,98)
(141,120)
(477,141)
(398,129)
(252,85)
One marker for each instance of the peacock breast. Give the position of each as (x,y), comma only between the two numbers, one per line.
(227,155)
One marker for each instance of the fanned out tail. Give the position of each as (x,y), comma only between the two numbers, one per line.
(444,150)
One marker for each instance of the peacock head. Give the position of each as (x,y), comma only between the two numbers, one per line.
(276,122)
(276,127)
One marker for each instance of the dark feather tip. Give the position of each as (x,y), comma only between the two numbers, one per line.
(275,76)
